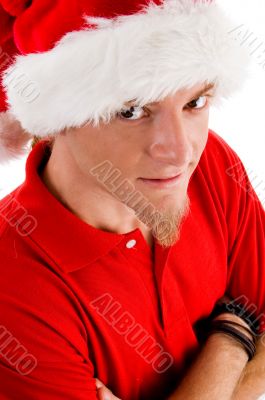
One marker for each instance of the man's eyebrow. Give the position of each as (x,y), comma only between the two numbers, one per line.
(204,90)
(196,95)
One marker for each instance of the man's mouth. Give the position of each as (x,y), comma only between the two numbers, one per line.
(164,182)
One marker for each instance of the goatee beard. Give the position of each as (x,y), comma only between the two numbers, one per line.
(166,225)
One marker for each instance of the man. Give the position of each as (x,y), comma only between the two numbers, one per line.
(134,218)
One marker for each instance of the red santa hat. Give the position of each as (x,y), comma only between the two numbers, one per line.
(79,61)
(13,138)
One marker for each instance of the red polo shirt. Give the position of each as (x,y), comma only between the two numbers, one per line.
(78,302)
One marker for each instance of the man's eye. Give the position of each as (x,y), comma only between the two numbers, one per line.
(197,104)
(134,113)
(131,113)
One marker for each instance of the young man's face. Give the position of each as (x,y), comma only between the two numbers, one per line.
(148,145)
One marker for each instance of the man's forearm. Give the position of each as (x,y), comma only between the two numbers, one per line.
(252,382)
(216,372)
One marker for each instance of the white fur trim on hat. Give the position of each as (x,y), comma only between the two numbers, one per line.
(91,73)
(13,138)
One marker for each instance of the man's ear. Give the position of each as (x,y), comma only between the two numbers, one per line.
(13,138)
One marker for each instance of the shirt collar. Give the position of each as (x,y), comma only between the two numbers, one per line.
(69,241)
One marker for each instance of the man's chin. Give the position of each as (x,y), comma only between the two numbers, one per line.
(165,224)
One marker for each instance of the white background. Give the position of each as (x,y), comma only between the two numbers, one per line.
(241,120)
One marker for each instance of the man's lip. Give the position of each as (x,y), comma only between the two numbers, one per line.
(162,179)
(166,183)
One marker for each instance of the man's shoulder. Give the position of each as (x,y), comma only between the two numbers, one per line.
(218,173)
(14,215)
(218,149)
(219,160)
(18,252)
(5,209)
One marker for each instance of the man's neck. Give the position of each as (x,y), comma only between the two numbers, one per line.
(99,209)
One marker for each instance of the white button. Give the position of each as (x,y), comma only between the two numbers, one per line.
(131,244)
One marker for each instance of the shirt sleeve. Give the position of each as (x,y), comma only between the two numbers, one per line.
(246,242)
(43,342)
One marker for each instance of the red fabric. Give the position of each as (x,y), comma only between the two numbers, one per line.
(15,7)
(7,54)
(44,22)
(55,268)
(41,23)
(7,48)
(6,25)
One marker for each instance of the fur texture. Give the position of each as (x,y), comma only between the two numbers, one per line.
(13,139)
(89,74)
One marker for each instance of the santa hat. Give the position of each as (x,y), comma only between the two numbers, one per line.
(79,62)
(13,138)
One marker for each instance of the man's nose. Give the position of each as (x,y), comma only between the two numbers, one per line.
(169,141)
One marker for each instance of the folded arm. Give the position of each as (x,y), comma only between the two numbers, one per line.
(252,381)
(215,373)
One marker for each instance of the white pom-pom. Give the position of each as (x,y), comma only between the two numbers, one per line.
(13,138)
